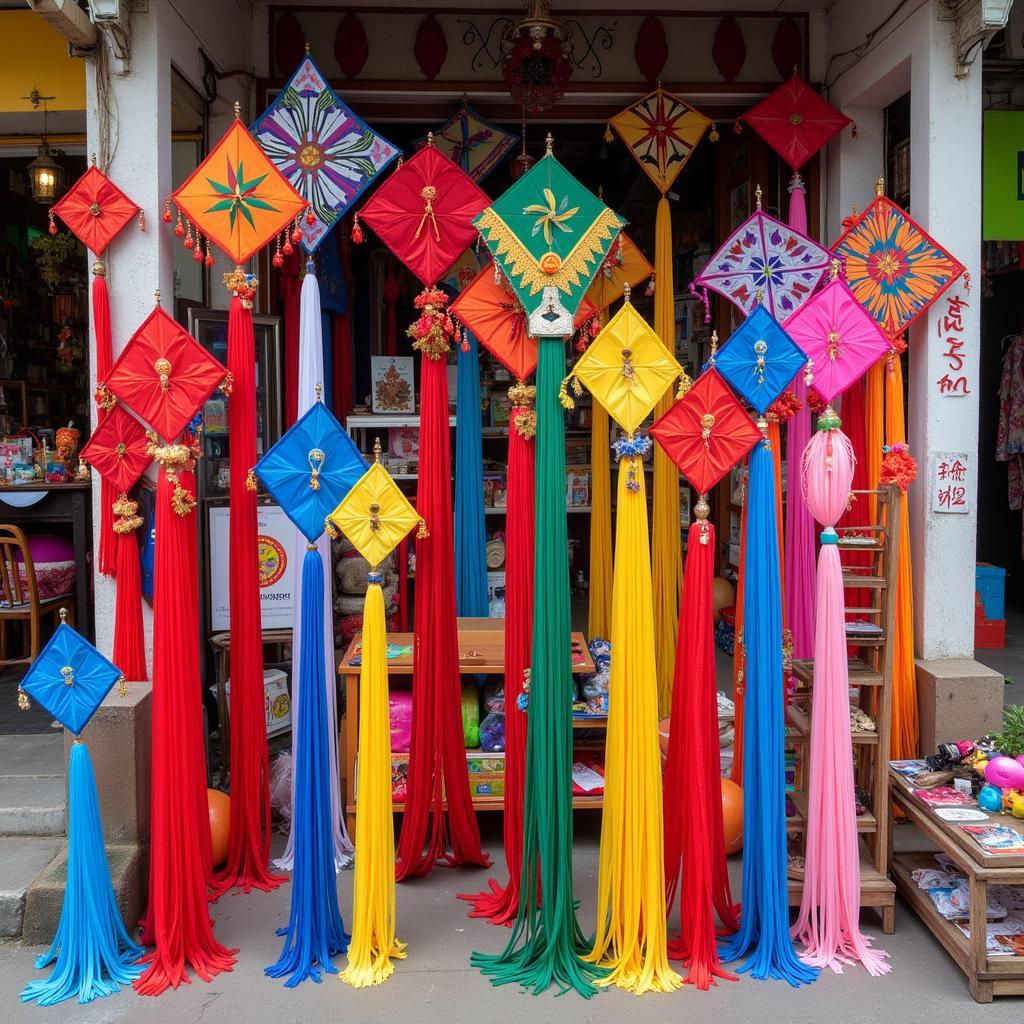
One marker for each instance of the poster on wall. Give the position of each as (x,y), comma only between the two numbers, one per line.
(276,536)
(1002,201)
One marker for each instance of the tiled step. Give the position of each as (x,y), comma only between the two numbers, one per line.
(22,860)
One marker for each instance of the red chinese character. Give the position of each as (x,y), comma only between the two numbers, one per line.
(958,472)
(954,318)
(952,497)
(950,386)
(952,354)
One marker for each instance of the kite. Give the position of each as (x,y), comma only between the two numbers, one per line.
(473,143)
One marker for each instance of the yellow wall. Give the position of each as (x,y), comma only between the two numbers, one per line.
(36,57)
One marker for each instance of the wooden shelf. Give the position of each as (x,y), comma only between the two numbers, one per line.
(876,890)
(798,719)
(590,721)
(866,822)
(861,674)
(855,580)
(497,803)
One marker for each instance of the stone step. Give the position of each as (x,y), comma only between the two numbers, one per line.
(33,797)
(22,860)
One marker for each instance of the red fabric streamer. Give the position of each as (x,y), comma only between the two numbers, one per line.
(693,785)
(343,374)
(178,919)
(107,554)
(129,637)
(249,849)
(437,755)
(500,904)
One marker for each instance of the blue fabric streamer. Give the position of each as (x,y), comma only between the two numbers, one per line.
(91,952)
(315,931)
(763,936)
(470,532)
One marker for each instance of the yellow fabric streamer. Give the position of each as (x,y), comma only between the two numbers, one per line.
(666,543)
(373,903)
(905,726)
(599,619)
(874,405)
(631,937)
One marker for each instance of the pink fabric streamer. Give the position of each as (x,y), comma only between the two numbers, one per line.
(799,546)
(829,921)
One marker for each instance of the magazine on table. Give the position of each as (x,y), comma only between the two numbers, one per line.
(996,839)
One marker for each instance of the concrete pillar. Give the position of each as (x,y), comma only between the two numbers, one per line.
(854,165)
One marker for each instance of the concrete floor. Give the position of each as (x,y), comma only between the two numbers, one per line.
(436,983)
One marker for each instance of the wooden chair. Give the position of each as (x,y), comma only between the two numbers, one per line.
(19,599)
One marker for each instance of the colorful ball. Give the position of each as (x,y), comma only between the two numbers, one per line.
(220,824)
(732,816)
(990,798)
(1005,772)
(722,595)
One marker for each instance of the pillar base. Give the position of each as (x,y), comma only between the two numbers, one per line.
(958,699)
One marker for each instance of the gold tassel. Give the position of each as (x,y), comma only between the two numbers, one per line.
(251,483)
(685,383)
(122,686)
(422,533)
(24,704)
(563,394)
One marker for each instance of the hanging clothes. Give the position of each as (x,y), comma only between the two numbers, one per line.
(1010,429)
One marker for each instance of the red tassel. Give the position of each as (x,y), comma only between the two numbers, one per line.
(129,638)
(357,231)
(693,787)
(249,850)
(500,904)
(178,919)
(437,755)
(106,555)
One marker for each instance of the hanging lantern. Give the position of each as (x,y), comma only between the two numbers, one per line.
(537,58)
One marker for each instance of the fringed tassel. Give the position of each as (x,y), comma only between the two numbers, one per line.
(107,553)
(437,756)
(91,952)
(178,922)
(739,651)
(249,849)
(666,544)
(763,936)
(631,930)
(500,903)
(799,550)
(855,517)
(798,203)
(129,637)
(546,943)
(829,921)
(905,726)
(373,942)
(694,838)
(315,932)
(470,530)
(599,618)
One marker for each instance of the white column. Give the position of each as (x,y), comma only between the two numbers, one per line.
(946,201)
(138,263)
(854,165)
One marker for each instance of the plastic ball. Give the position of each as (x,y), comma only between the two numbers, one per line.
(732,816)
(990,798)
(220,824)
(1005,772)
(722,595)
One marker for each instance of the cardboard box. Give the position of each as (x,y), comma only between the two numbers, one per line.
(486,775)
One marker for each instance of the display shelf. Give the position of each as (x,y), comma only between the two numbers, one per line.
(876,890)
(495,803)
(798,718)
(866,822)
(488,511)
(369,420)
(861,674)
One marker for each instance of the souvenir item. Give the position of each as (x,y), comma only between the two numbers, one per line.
(763,260)
(759,360)
(546,946)
(374,516)
(96,210)
(548,236)
(324,151)
(829,920)
(627,369)
(310,378)
(763,935)
(500,904)
(119,450)
(424,214)
(473,143)
(307,472)
(895,270)
(239,200)
(705,434)
(838,337)
(91,952)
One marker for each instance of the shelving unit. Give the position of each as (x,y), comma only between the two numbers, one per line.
(871,679)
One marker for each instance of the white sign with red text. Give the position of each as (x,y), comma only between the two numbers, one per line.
(950,480)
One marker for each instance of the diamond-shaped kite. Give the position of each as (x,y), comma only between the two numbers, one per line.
(325,152)
(472,142)
(624,265)
(707,432)
(118,449)
(95,210)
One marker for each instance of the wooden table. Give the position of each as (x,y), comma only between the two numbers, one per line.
(986,976)
(67,504)
(481,652)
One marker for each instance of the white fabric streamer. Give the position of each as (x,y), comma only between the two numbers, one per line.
(311,373)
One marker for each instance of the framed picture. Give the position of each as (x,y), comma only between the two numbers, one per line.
(393,390)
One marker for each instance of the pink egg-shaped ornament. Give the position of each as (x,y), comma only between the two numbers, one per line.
(1020,760)
(1005,772)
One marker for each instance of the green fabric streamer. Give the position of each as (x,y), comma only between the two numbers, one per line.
(547,942)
